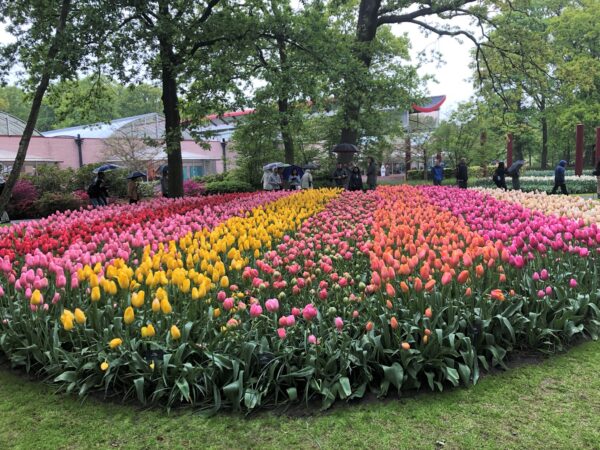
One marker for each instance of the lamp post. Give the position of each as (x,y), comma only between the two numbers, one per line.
(224,147)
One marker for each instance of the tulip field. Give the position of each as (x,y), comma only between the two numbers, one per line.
(251,300)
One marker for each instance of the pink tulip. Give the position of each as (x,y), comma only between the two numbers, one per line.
(339,323)
(536,276)
(573,283)
(541,294)
(272,305)
(221,296)
(255,310)
(544,274)
(312,339)
(548,290)
(228,303)
(281,333)
(309,312)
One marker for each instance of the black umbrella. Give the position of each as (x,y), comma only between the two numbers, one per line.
(136,174)
(515,166)
(106,168)
(345,148)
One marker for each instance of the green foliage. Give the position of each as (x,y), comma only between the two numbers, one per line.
(228,186)
(51,202)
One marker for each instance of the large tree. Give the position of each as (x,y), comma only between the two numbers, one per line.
(52,40)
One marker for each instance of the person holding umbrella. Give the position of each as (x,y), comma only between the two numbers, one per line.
(132,187)
(339,176)
(559,178)
(97,191)
(499,177)
(514,172)
(307,180)
(355,182)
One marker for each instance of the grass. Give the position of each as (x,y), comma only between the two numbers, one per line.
(554,404)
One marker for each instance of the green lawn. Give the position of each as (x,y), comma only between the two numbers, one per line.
(555,404)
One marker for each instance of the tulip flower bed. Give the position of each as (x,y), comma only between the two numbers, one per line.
(253,300)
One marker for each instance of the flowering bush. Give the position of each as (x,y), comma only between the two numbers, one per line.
(22,200)
(193,188)
(246,300)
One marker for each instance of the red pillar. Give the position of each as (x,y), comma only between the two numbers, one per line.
(579,150)
(509,150)
(597,145)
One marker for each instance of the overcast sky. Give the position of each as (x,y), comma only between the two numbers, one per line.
(452,74)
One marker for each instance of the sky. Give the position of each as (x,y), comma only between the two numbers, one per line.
(451,74)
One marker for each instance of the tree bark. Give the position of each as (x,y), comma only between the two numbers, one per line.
(283,108)
(171,107)
(366,29)
(544,135)
(40,91)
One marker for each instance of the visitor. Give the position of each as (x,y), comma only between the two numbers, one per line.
(597,173)
(462,175)
(382,170)
(5,218)
(437,173)
(295,181)
(339,176)
(133,192)
(164,181)
(274,181)
(499,177)
(355,181)
(559,178)
(307,180)
(516,178)
(371,174)
(97,191)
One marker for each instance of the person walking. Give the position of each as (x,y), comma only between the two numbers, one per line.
(295,181)
(355,182)
(597,173)
(97,191)
(307,180)
(462,175)
(133,192)
(499,177)
(559,178)
(164,181)
(437,173)
(371,174)
(382,170)
(339,176)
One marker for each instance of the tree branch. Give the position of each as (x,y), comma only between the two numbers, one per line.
(428,11)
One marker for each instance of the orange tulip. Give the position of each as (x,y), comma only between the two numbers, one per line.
(463,277)
(394,323)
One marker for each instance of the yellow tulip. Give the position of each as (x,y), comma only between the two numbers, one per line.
(148,331)
(95,294)
(165,306)
(104,366)
(137,299)
(66,318)
(79,316)
(224,282)
(152,365)
(123,280)
(175,333)
(36,297)
(216,312)
(128,316)
(155,305)
(115,343)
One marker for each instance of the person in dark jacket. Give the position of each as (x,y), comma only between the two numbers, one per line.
(371,174)
(355,181)
(462,175)
(597,173)
(164,181)
(339,176)
(97,191)
(500,176)
(437,173)
(559,178)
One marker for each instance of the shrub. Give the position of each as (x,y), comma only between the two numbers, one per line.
(192,188)
(51,178)
(51,202)
(223,187)
(147,189)
(22,200)
(212,178)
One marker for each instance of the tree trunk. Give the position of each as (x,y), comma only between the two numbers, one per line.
(47,74)
(366,29)
(171,108)
(544,135)
(283,107)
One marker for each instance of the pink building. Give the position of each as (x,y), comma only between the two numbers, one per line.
(135,137)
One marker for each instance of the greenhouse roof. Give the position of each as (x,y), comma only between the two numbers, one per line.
(150,125)
(12,126)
